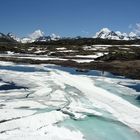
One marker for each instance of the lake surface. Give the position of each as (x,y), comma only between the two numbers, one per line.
(54,102)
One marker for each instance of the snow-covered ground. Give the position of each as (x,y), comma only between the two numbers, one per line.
(53,97)
(92,56)
(76,58)
(33,57)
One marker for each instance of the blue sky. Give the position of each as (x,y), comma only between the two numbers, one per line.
(68,17)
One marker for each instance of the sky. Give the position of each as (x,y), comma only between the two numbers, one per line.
(68,17)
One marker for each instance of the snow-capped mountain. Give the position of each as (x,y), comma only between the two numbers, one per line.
(38,35)
(55,37)
(133,36)
(6,38)
(52,37)
(26,40)
(1,34)
(13,37)
(32,37)
(105,33)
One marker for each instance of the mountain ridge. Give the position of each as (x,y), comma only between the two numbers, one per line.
(106,33)
(39,36)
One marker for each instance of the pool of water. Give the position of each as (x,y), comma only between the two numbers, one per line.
(11,86)
(88,72)
(115,89)
(96,128)
(19,68)
(135,86)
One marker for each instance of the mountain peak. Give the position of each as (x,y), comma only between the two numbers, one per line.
(105,33)
(36,34)
(54,37)
(13,37)
(132,34)
(105,30)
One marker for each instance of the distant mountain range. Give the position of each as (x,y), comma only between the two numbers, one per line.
(105,33)
(7,38)
(39,36)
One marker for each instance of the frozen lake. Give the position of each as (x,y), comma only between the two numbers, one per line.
(39,102)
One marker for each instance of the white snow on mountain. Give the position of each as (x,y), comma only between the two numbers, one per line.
(106,33)
(122,36)
(106,30)
(55,37)
(102,33)
(14,37)
(118,33)
(33,36)
(26,40)
(132,34)
(36,34)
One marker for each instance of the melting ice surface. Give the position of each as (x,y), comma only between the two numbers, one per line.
(57,103)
